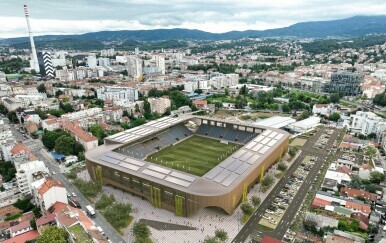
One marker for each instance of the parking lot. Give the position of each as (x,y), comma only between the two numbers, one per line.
(278,207)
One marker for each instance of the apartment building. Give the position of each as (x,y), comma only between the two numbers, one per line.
(159,105)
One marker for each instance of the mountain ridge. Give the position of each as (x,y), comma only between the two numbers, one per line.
(344,28)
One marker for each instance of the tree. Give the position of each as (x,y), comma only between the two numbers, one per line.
(118,215)
(221,234)
(7,170)
(267,181)
(356,182)
(58,93)
(334,117)
(33,223)
(246,208)
(198,91)
(104,201)
(243,90)
(241,102)
(98,131)
(334,98)
(282,167)
(41,88)
(12,117)
(139,121)
(65,145)
(226,92)
(125,113)
(256,201)
(286,108)
(53,234)
(141,230)
(305,114)
(376,177)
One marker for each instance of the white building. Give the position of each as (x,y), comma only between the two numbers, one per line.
(159,105)
(91,61)
(322,109)
(25,174)
(366,123)
(83,114)
(117,93)
(134,67)
(160,63)
(47,192)
(104,62)
(221,81)
(108,52)
(304,125)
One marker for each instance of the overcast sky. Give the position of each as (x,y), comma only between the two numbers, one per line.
(82,16)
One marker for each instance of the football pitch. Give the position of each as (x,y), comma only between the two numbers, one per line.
(195,155)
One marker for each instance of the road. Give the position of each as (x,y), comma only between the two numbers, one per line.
(37,148)
(251,226)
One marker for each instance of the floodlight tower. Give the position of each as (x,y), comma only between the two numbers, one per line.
(34,63)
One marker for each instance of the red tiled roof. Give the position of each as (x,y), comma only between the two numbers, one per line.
(318,203)
(76,130)
(47,185)
(20,226)
(321,105)
(29,236)
(61,210)
(355,193)
(200,102)
(360,217)
(21,147)
(359,207)
(45,220)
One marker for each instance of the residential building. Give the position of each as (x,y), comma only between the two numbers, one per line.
(159,105)
(47,192)
(367,123)
(86,139)
(25,174)
(20,228)
(134,66)
(117,93)
(91,61)
(322,109)
(347,83)
(160,63)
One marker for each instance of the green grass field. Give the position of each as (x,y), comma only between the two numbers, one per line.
(195,155)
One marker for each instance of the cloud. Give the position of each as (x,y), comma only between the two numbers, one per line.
(81,16)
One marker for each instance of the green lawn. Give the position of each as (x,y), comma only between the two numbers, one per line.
(195,155)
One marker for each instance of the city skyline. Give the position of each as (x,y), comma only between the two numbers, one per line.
(216,16)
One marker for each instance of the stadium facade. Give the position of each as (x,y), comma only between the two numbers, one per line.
(120,162)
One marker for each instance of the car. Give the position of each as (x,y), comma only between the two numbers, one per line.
(53,172)
(68,195)
(73,194)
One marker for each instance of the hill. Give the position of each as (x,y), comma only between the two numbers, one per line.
(350,27)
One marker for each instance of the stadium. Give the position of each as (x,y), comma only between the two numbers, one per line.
(187,163)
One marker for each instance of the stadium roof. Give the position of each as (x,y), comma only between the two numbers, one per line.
(276,121)
(218,180)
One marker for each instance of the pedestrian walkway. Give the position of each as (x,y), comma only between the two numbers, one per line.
(206,221)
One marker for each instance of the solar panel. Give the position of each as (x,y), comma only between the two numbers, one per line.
(116,156)
(234,166)
(238,153)
(257,147)
(115,135)
(129,166)
(183,176)
(279,136)
(253,159)
(246,156)
(177,181)
(272,135)
(273,142)
(229,179)
(266,132)
(213,172)
(221,176)
(242,168)
(265,141)
(153,173)
(134,162)
(259,138)
(158,169)
(263,150)
(109,160)
(227,162)
(250,145)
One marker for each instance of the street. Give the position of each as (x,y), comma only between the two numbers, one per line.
(251,226)
(37,148)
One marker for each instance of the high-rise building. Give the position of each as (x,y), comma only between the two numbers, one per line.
(91,61)
(34,57)
(45,62)
(348,84)
(160,63)
(135,67)
(103,62)
(159,105)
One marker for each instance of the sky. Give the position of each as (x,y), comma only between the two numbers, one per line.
(216,16)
